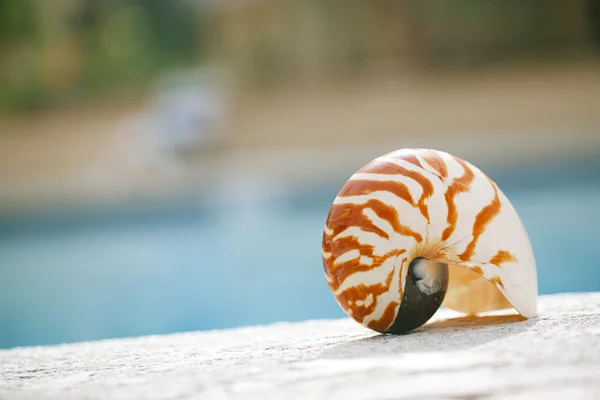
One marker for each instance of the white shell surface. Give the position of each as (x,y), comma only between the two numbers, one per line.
(424,203)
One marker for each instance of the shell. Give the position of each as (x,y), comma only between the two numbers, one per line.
(422,203)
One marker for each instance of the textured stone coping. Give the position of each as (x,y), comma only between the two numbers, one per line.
(556,355)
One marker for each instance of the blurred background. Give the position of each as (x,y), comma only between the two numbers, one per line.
(168,166)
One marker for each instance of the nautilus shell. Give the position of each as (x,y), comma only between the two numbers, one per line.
(417,229)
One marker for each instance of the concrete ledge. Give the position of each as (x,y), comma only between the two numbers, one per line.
(556,355)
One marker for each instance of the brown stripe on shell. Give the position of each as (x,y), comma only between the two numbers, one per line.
(477,269)
(349,243)
(410,158)
(459,185)
(435,161)
(358,187)
(343,216)
(389,314)
(482,220)
(386,320)
(496,280)
(502,256)
(326,244)
(350,296)
(339,273)
(390,168)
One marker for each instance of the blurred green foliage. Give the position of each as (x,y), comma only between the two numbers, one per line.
(52,52)
(467,31)
(57,51)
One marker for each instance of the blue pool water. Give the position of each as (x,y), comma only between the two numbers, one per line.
(152,269)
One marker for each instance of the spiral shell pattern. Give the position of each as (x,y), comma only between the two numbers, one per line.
(425,203)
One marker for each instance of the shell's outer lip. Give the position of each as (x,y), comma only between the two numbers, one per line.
(526,309)
(522,297)
(418,202)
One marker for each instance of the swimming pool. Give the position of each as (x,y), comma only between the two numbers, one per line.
(195,265)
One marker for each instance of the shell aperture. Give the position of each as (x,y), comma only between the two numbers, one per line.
(424,291)
(416,229)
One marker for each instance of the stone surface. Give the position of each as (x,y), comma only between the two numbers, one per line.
(556,355)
